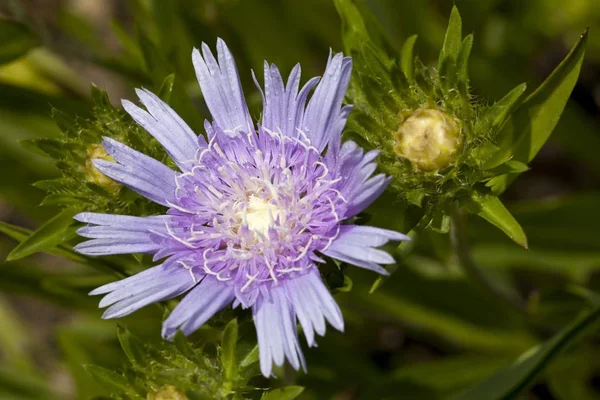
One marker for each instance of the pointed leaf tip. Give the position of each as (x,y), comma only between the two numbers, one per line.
(407,57)
(490,208)
(452,40)
(52,233)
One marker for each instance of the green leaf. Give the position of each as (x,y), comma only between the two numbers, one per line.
(407,57)
(52,233)
(462,64)
(509,382)
(284,393)
(131,345)
(228,344)
(490,208)
(16,40)
(498,113)
(250,358)
(510,167)
(184,347)
(452,41)
(530,126)
(164,92)
(108,377)
(353,26)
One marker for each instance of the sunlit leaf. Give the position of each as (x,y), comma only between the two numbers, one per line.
(490,208)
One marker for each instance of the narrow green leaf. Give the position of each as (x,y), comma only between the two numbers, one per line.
(250,358)
(52,233)
(353,26)
(284,393)
(99,97)
(490,208)
(166,87)
(530,126)
(131,345)
(15,232)
(228,344)
(498,113)
(407,57)
(184,347)
(453,39)
(509,382)
(20,234)
(108,377)
(16,40)
(462,64)
(511,167)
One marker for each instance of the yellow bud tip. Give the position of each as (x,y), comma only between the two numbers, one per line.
(428,138)
(166,392)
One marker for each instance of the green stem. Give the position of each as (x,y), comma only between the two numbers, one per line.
(458,235)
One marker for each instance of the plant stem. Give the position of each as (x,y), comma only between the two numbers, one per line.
(458,235)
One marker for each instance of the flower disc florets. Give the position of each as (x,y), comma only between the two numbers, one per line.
(259,206)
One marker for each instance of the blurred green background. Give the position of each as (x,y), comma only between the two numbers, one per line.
(427,332)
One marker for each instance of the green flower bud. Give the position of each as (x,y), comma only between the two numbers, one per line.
(167,392)
(428,138)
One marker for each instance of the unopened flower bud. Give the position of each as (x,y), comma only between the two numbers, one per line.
(428,138)
(167,392)
(94,175)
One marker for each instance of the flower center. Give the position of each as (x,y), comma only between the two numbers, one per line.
(260,215)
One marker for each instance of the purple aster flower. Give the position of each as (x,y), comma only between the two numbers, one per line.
(252,211)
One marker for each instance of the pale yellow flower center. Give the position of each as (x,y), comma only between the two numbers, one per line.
(260,215)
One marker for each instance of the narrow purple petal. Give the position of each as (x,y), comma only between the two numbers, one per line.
(222,90)
(312,304)
(355,244)
(370,191)
(207,298)
(118,234)
(150,286)
(276,332)
(327,304)
(323,110)
(162,122)
(369,235)
(293,353)
(135,177)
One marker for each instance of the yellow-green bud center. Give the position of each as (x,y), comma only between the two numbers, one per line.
(95,176)
(167,392)
(428,138)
